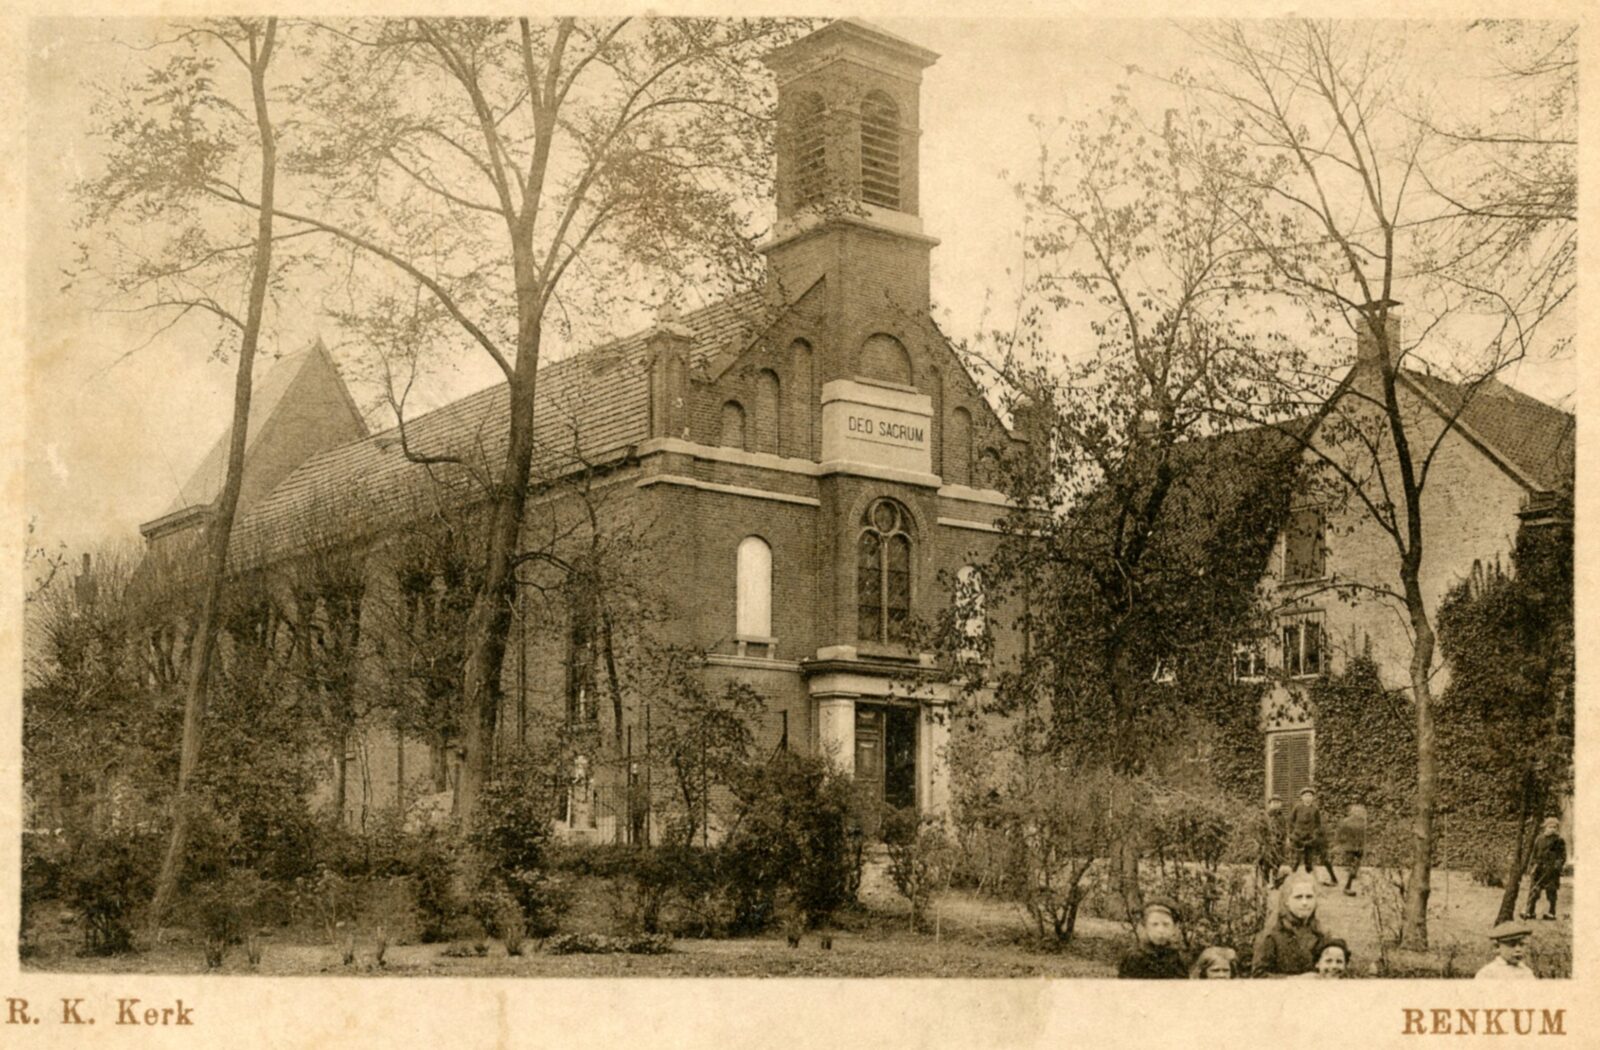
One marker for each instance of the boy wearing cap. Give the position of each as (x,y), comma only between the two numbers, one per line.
(1308,839)
(1549,857)
(1511,954)
(1157,956)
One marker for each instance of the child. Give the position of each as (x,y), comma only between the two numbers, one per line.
(1157,956)
(1308,840)
(1215,963)
(1285,947)
(1511,953)
(1351,840)
(1332,959)
(1270,835)
(1549,857)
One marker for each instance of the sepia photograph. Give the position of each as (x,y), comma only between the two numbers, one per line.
(799,497)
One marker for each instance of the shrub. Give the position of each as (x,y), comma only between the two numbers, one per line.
(223,910)
(510,836)
(440,908)
(44,857)
(791,831)
(920,859)
(599,944)
(106,881)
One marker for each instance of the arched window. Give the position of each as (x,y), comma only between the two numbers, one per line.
(801,399)
(884,357)
(810,151)
(883,573)
(958,449)
(753,599)
(732,425)
(880,151)
(767,416)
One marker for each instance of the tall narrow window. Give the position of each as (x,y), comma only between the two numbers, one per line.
(880,151)
(1304,552)
(753,599)
(958,449)
(883,573)
(582,623)
(732,425)
(1290,762)
(768,419)
(810,151)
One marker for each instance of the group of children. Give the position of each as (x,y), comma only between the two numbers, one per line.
(1300,839)
(1294,944)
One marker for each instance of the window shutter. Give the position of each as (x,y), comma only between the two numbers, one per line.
(1290,764)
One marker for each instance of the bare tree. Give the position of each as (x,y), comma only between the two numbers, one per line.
(175,137)
(1349,228)
(515,163)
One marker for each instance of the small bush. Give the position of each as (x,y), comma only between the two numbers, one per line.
(599,944)
(510,837)
(224,910)
(920,858)
(440,907)
(791,832)
(107,879)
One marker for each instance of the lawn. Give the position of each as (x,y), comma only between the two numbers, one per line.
(977,937)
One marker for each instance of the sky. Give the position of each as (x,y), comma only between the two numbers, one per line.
(111,435)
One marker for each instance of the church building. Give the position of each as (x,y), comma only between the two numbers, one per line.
(808,464)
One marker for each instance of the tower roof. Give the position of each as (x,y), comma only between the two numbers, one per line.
(852,34)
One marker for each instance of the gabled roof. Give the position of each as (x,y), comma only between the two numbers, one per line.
(589,407)
(298,392)
(1534,439)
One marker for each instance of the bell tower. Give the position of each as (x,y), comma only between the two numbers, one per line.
(848,182)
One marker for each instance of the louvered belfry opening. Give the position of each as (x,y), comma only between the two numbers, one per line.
(811,152)
(880,151)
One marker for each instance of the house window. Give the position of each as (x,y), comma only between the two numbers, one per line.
(883,573)
(1304,550)
(1290,763)
(1305,650)
(811,151)
(753,599)
(880,151)
(732,425)
(1249,663)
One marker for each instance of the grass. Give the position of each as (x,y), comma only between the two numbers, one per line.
(978,937)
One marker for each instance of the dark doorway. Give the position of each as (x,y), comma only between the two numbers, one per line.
(900,757)
(886,756)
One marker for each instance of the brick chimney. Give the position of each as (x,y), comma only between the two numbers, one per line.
(1384,316)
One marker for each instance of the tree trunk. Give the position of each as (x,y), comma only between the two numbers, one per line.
(1419,883)
(489,624)
(220,525)
(341,774)
(1521,848)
